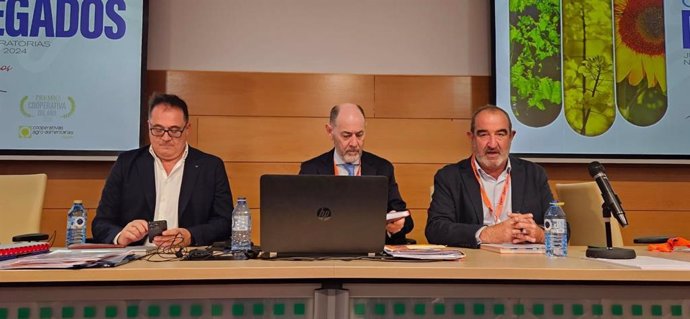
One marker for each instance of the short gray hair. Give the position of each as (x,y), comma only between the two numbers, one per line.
(490,108)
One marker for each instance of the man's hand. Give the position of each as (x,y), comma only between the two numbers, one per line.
(525,229)
(174,237)
(132,232)
(395,225)
(498,233)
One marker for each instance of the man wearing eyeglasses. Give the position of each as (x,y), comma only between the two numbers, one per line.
(167,180)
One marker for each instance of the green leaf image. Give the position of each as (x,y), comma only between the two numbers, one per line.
(535,61)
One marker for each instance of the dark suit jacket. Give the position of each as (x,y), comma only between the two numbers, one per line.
(456,212)
(205,205)
(371,165)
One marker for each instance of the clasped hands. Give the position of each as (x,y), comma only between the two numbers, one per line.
(138,229)
(518,228)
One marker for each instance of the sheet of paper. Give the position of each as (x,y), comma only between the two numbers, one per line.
(650,263)
(404,251)
(515,248)
(396,215)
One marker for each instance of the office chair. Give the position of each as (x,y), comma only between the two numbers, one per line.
(21,204)
(582,206)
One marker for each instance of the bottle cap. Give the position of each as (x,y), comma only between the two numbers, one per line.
(77,201)
(555,203)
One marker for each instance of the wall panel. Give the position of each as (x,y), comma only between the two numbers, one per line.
(418,140)
(270,139)
(415,182)
(61,192)
(646,195)
(245,177)
(269,94)
(155,82)
(193,137)
(430,96)
(263,139)
(417,233)
(656,223)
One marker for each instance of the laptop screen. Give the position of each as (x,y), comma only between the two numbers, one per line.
(323,214)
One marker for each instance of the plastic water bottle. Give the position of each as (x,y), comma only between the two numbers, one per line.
(555,231)
(76,224)
(241,239)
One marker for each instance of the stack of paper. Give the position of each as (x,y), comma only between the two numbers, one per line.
(72,259)
(428,252)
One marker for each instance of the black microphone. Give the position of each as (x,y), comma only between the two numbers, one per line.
(611,200)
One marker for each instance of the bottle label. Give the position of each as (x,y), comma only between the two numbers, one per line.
(240,223)
(78,222)
(555,226)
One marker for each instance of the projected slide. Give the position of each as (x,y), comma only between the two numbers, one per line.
(617,83)
(70,75)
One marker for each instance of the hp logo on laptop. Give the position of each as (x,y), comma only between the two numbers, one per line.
(323,213)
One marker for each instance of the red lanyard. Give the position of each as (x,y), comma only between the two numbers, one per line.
(485,198)
(358,172)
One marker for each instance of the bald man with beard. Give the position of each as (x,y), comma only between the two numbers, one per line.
(346,128)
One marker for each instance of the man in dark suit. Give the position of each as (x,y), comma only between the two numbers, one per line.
(491,197)
(346,127)
(168,180)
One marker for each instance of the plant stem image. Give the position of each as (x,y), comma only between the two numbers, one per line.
(535,72)
(588,66)
(640,60)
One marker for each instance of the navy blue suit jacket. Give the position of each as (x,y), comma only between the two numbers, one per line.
(456,213)
(371,165)
(205,205)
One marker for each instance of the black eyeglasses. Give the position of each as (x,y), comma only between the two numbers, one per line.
(174,132)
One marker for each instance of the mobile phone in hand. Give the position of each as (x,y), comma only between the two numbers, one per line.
(156,228)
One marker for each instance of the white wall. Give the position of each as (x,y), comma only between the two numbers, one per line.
(431,37)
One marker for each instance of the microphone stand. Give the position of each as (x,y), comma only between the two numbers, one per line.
(609,252)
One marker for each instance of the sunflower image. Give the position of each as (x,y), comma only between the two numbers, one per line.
(640,60)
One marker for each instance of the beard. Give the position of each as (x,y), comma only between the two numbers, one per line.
(492,163)
(352,156)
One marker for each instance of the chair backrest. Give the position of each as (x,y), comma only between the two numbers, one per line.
(582,206)
(21,204)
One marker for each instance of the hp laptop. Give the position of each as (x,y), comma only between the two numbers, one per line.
(323,215)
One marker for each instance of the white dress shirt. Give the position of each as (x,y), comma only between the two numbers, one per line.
(168,189)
